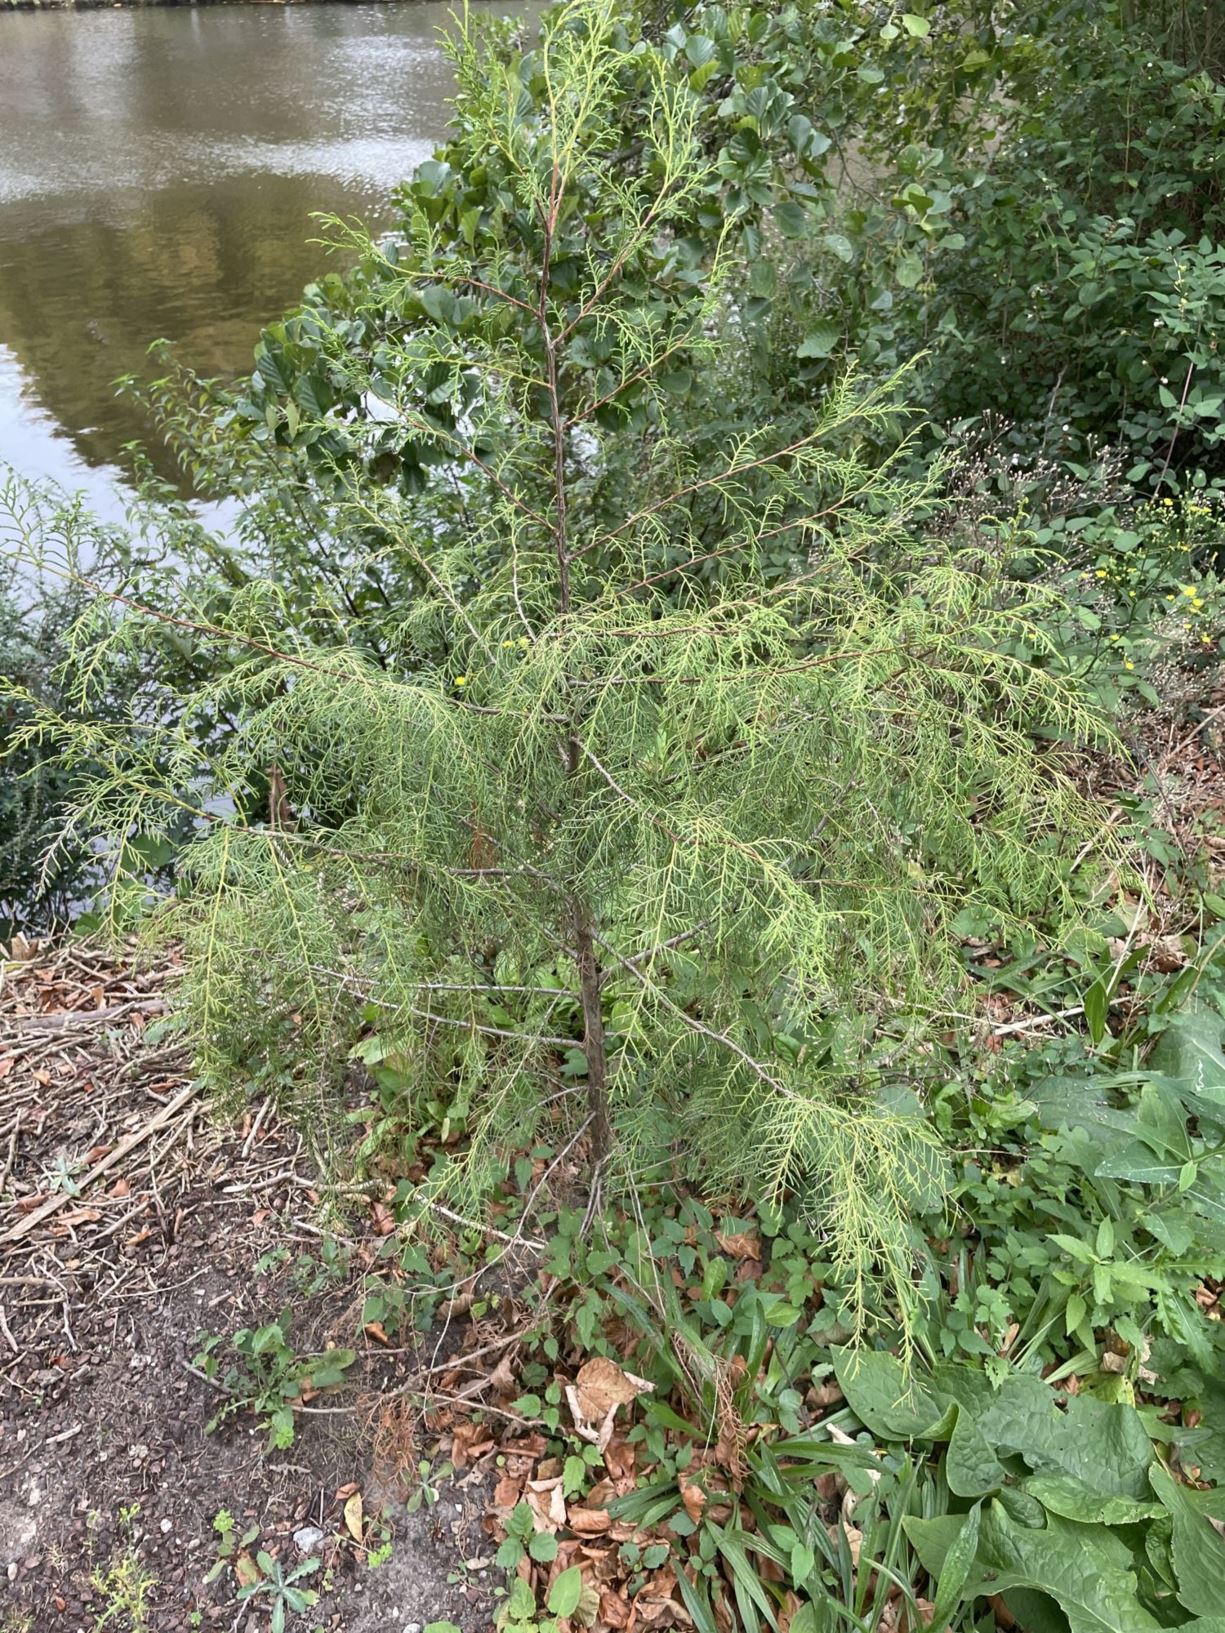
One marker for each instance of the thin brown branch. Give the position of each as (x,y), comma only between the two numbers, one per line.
(733,469)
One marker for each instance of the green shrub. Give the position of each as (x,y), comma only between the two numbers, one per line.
(41,881)
(65,577)
(1065,234)
(686,847)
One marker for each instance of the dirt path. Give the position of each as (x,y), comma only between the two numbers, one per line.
(132,1220)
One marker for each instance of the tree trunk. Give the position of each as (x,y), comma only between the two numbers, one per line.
(593,1038)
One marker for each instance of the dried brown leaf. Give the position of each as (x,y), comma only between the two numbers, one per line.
(601,1386)
(614,1610)
(692,1497)
(741,1244)
(589,1522)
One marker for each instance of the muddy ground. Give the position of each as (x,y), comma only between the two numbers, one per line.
(133,1219)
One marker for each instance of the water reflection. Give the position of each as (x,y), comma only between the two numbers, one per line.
(158,172)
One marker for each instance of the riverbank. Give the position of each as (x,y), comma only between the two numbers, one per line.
(171,189)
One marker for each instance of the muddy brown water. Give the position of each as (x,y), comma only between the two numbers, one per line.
(158,173)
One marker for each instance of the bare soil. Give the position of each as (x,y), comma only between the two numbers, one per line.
(132,1220)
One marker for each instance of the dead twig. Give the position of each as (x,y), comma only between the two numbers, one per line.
(12,1150)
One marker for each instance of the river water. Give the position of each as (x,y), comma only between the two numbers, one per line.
(158,173)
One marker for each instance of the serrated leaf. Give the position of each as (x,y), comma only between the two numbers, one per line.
(522,1601)
(543,1547)
(510,1552)
(521,1521)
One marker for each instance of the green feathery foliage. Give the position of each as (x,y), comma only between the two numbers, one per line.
(628,850)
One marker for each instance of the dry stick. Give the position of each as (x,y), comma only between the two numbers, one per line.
(1182,403)
(1185,744)
(12,1150)
(125,1146)
(1032,1021)
(72,1018)
(488,1230)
